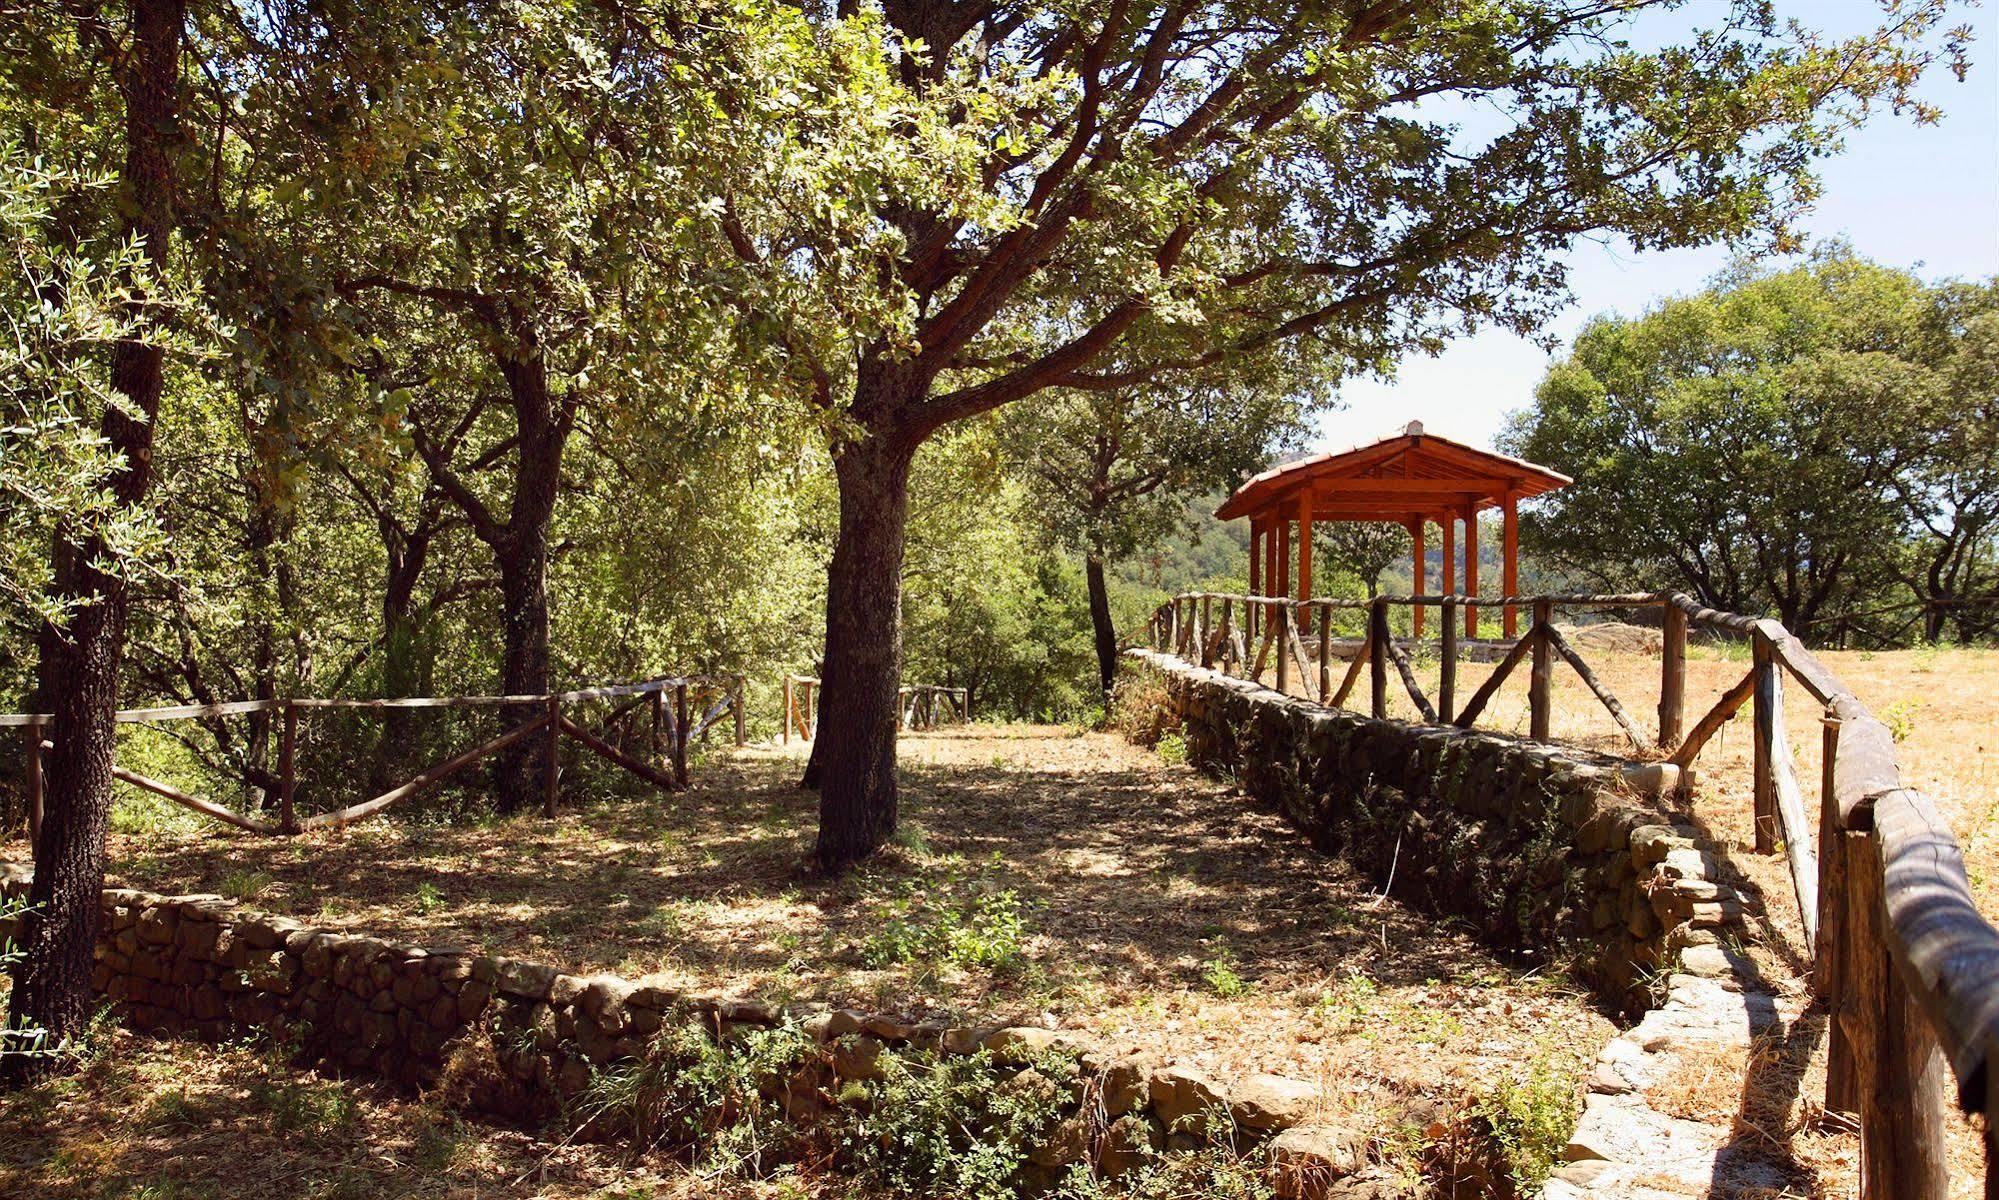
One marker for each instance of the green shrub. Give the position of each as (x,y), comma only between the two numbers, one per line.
(1531,1117)
(983,932)
(1221,976)
(1211,1173)
(1172,748)
(957,1126)
(691,1091)
(246,886)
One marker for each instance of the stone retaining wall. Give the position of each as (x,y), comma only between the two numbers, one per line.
(207,968)
(1545,849)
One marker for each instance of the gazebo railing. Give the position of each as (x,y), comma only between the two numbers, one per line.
(1903,961)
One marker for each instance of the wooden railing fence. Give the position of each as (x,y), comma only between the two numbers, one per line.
(918,706)
(679,709)
(1904,964)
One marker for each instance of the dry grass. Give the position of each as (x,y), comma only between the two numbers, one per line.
(1943,704)
(153,1120)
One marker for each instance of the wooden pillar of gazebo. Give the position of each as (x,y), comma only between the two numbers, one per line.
(1448,584)
(1418,567)
(1471,571)
(1511,562)
(1305,544)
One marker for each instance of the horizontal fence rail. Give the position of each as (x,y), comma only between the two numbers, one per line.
(1903,962)
(679,708)
(918,706)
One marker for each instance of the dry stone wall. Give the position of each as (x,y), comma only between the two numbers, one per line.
(1545,849)
(207,968)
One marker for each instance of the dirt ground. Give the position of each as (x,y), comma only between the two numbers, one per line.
(1044,875)
(1943,706)
(151,1120)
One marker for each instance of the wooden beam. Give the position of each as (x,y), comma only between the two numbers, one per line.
(1831,950)
(1447,665)
(1510,565)
(1471,572)
(1768,692)
(1540,687)
(1486,691)
(429,778)
(1422,485)
(1672,676)
(1603,693)
(1716,717)
(1305,545)
(1902,1075)
(605,750)
(1379,637)
(1418,574)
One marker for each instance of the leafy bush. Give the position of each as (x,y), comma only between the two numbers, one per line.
(1221,976)
(694,1092)
(1529,1118)
(988,933)
(949,1126)
(1211,1173)
(1172,748)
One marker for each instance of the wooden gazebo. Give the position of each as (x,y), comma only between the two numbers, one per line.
(1411,479)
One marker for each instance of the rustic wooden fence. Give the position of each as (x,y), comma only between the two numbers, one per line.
(679,709)
(919,706)
(1904,964)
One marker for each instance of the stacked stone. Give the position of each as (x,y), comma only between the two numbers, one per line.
(203,967)
(1545,849)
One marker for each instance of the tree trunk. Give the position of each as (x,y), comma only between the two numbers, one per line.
(855,751)
(59,935)
(401,668)
(522,557)
(1100,622)
(524,669)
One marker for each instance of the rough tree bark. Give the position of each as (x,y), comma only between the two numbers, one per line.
(855,753)
(521,553)
(1100,621)
(59,935)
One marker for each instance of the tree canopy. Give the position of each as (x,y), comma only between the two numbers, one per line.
(1814,441)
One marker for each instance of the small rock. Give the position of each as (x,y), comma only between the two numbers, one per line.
(1180,1093)
(1306,1160)
(1273,1102)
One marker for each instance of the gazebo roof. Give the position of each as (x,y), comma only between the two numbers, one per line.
(1403,477)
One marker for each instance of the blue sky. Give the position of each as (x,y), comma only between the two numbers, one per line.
(1924,197)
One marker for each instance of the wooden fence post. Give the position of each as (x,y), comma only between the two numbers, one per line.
(680,734)
(1672,675)
(288,771)
(1207,629)
(1541,680)
(1447,666)
(1283,627)
(31,737)
(656,714)
(1377,663)
(1764,740)
(1902,1072)
(1829,968)
(552,765)
(742,726)
(1226,642)
(1325,653)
